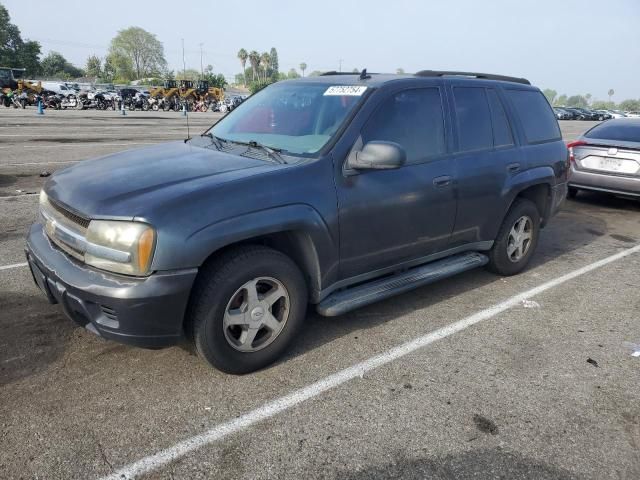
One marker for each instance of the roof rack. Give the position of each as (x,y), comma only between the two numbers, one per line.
(484,76)
(333,72)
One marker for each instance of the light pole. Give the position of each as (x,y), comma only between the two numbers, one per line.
(340,68)
(201,68)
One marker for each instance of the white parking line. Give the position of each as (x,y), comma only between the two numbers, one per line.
(14,265)
(296,397)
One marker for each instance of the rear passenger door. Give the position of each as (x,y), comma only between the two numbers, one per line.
(388,217)
(486,156)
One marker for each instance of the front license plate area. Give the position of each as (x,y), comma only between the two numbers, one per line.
(41,281)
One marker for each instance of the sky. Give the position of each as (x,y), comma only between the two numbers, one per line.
(572,46)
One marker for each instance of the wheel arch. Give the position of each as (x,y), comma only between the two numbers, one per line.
(298,231)
(534,185)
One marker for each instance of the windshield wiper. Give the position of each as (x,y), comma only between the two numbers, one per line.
(273,153)
(217,141)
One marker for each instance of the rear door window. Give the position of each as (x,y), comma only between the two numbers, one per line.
(501,129)
(474,119)
(535,114)
(412,118)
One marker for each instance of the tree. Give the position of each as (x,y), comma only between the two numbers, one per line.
(316,73)
(600,105)
(303,67)
(550,94)
(274,65)
(265,61)
(144,51)
(120,66)
(242,56)
(93,67)
(577,101)
(630,105)
(254,61)
(355,70)
(588,98)
(188,74)
(55,65)
(293,74)
(14,51)
(400,71)
(610,93)
(562,100)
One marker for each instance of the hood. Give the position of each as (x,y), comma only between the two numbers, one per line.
(131,183)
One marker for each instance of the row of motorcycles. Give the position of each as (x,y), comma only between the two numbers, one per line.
(102,100)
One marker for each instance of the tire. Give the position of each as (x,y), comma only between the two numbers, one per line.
(501,260)
(219,299)
(572,192)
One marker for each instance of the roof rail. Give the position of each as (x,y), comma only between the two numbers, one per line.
(484,76)
(333,72)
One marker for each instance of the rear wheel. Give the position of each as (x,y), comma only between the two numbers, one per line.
(246,309)
(517,239)
(572,192)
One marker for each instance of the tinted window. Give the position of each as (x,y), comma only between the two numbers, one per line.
(501,129)
(474,118)
(412,118)
(535,114)
(624,130)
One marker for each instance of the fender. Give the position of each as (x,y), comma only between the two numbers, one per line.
(315,243)
(543,175)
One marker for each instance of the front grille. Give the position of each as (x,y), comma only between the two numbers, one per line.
(69,215)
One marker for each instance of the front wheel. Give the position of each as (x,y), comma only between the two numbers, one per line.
(572,192)
(517,239)
(246,309)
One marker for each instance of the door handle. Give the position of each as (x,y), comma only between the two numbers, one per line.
(443,181)
(513,167)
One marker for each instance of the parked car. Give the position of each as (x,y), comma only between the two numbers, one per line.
(632,114)
(58,88)
(577,114)
(616,113)
(336,190)
(607,159)
(562,114)
(588,114)
(603,115)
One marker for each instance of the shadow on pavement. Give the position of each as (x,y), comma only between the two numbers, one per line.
(477,465)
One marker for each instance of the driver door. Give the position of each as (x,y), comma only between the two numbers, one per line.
(391,217)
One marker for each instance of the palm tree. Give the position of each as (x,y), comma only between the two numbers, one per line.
(303,67)
(610,92)
(265,60)
(254,60)
(243,55)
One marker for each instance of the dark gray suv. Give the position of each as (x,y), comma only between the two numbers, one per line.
(336,191)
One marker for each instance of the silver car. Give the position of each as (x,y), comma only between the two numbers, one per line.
(607,159)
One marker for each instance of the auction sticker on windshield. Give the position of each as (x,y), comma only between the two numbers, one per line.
(342,90)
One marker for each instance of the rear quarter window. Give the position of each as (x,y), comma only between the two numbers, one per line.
(535,114)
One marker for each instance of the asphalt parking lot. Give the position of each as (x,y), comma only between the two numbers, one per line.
(535,376)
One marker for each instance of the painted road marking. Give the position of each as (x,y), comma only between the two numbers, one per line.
(14,265)
(279,405)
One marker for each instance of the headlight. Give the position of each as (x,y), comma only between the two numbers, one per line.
(121,247)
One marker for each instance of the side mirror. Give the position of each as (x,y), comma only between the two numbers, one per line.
(378,155)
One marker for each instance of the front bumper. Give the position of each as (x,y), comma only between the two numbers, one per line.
(603,182)
(145,312)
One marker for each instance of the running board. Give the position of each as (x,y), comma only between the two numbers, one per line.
(344,301)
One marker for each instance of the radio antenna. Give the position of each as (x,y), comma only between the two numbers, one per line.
(184,105)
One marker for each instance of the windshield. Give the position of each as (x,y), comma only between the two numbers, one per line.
(297,118)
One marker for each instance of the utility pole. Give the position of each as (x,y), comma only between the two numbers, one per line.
(340,68)
(184,65)
(201,68)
